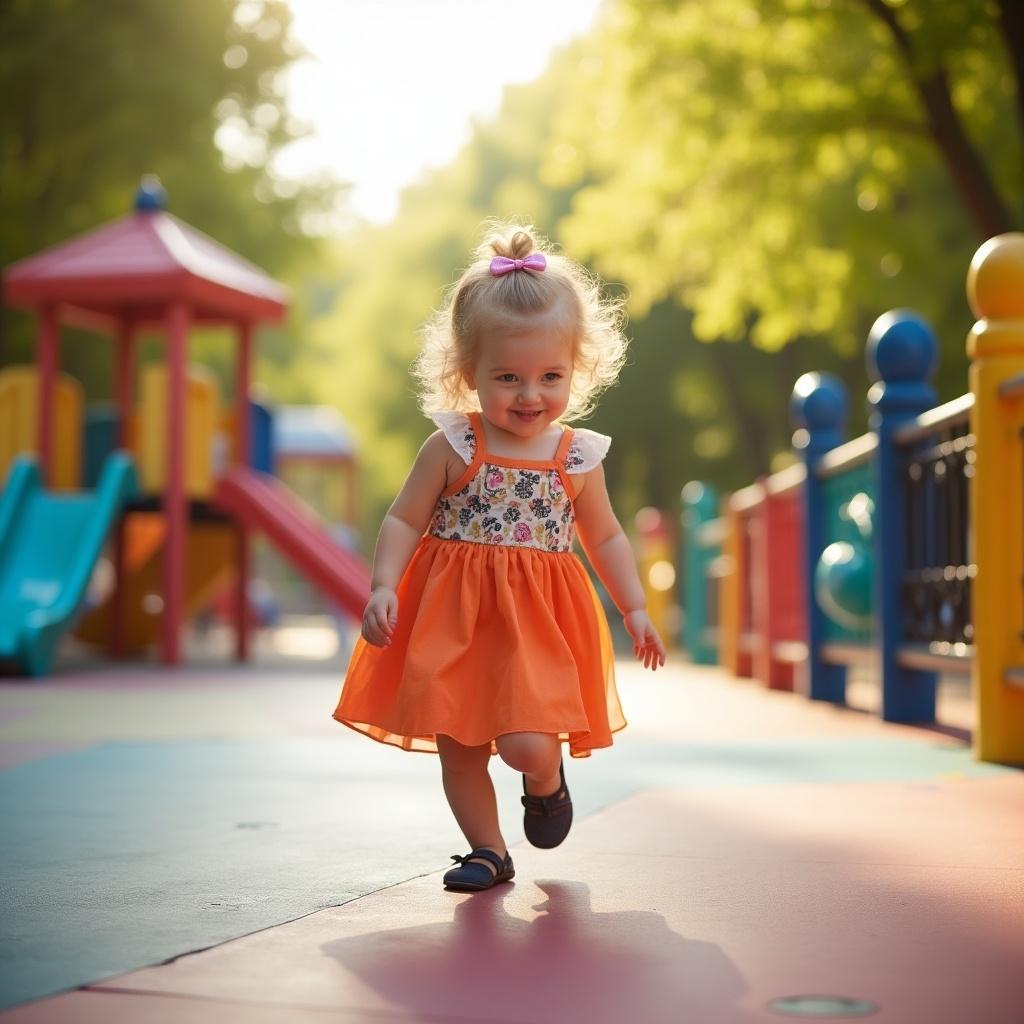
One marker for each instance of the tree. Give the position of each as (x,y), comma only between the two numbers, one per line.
(791,168)
(756,173)
(675,413)
(928,51)
(107,92)
(390,277)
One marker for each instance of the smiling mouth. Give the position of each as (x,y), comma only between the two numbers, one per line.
(527,415)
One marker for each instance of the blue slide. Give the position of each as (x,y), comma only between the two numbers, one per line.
(49,544)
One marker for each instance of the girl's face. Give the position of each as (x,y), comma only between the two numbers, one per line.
(522,377)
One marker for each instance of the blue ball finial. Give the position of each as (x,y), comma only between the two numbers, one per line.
(817,409)
(151,195)
(818,402)
(901,347)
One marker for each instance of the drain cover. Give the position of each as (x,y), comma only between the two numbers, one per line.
(822,1006)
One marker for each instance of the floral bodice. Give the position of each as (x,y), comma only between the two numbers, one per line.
(519,503)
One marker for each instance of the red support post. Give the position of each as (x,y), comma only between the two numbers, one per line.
(124,383)
(243,377)
(48,357)
(736,600)
(175,498)
(777,560)
(124,396)
(243,382)
(761,584)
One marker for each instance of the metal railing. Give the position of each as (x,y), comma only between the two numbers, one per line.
(938,449)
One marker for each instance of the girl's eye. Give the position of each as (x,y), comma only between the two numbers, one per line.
(552,376)
(507,378)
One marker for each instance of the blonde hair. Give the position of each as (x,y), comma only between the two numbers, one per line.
(564,293)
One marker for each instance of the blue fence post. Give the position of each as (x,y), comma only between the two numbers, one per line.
(700,506)
(901,357)
(818,409)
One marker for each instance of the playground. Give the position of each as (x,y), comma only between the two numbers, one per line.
(206,825)
(180,484)
(818,459)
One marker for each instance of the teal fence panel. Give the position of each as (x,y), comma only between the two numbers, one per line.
(848,499)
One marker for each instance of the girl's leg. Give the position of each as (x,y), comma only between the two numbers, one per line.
(470,793)
(537,755)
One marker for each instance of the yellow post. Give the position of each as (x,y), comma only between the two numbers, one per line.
(995,346)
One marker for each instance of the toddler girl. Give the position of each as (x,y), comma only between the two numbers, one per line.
(483,633)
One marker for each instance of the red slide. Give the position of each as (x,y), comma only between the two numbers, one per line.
(264,504)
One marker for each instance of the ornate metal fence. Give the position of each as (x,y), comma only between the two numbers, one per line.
(939,455)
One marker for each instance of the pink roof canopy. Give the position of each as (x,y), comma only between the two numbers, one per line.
(137,266)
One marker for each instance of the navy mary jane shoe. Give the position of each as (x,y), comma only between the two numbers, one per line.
(547,819)
(469,877)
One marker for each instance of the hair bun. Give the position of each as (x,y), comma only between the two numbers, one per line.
(515,247)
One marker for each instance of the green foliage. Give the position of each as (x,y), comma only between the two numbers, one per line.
(107,92)
(762,177)
(768,163)
(756,174)
(391,277)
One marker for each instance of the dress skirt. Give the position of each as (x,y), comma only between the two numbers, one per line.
(490,639)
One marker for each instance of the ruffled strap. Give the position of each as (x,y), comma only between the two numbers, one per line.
(458,430)
(587,449)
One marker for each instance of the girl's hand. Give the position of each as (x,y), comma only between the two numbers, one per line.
(380,617)
(647,645)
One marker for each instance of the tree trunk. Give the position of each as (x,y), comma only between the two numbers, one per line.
(1011,19)
(973,183)
(970,176)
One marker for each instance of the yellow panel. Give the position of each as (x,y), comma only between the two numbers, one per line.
(202,430)
(19,420)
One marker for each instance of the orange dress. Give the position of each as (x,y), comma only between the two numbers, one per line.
(499,627)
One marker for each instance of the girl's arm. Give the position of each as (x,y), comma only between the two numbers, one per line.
(405,523)
(611,556)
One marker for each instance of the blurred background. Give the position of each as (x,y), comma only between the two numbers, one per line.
(761,177)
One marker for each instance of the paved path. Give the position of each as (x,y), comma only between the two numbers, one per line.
(733,848)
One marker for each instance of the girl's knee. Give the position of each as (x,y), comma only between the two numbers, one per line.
(535,753)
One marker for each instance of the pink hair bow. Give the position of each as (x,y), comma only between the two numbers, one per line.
(502,264)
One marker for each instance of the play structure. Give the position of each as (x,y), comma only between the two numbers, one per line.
(315,457)
(178,484)
(902,549)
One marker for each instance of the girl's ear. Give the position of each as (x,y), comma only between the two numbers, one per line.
(470,378)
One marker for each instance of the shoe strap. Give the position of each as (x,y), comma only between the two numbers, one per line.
(553,803)
(482,854)
(547,805)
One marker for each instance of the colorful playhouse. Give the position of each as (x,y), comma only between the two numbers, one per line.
(177,481)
